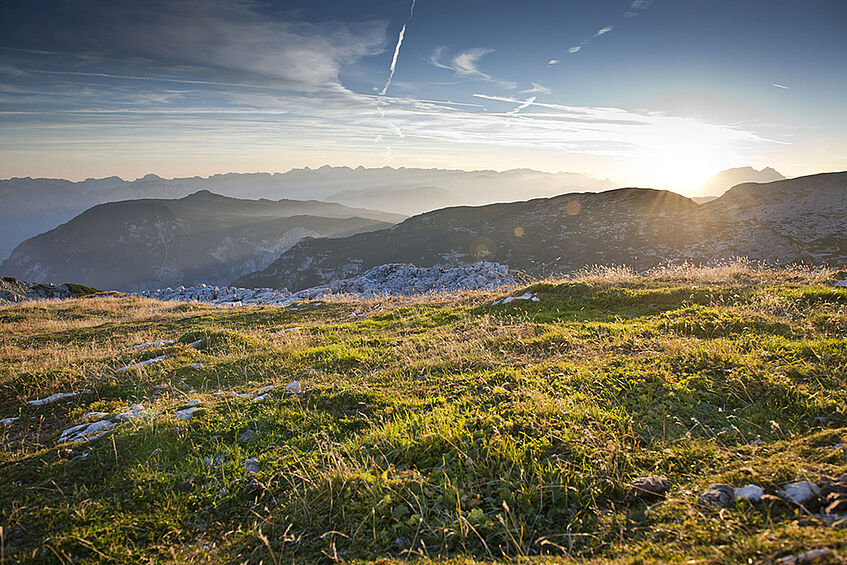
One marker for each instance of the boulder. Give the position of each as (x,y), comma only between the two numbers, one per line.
(648,489)
(717,495)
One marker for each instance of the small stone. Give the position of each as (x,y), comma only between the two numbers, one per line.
(800,492)
(187,485)
(717,495)
(187,413)
(251,466)
(197,366)
(648,488)
(216,462)
(293,388)
(807,557)
(246,436)
(750,493)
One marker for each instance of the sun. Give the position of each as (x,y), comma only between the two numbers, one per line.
(682,159)
(687,166)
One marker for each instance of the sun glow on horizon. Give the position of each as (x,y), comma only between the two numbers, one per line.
(681,157)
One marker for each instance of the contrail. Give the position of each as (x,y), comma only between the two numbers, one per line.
(397,50)
(525,104)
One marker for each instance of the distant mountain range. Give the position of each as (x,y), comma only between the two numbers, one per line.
(802,219)
(32,206)
(725,180)
(204,237)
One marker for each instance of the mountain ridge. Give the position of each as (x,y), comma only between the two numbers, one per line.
(794,220)
(726,179)
(35,205)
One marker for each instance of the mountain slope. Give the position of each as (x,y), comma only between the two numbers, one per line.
(561,233)
(725,180)
(803,219)
(140,244)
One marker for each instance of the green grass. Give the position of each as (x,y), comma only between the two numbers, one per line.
(444,429)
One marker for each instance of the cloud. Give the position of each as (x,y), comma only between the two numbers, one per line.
(637,5)
(213,40)
(553,62)
(537,88)
(220,82)
(466,64)
(782,86)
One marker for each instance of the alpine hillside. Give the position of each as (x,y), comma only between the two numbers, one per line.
(796,220)
(204,237)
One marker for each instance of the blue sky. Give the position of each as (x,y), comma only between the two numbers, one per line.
(655,93)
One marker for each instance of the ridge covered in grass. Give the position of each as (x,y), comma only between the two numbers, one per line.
(443,428)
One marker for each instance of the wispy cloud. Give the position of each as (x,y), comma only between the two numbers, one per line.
(635,8)
(466,64)
(536,88)
(782,86)
(216,41)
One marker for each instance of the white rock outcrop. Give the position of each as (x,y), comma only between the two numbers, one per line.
(398,279)
(52,398)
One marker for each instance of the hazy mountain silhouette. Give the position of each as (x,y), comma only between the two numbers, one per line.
(204,237)
(31,206)
(802,219)
(725,180)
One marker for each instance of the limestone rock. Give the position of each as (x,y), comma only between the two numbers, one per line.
(807,557)
(717,495)
(751,493)
(801,492)
(648,489)
(252,466)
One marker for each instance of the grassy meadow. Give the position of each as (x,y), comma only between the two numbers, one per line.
(444,428)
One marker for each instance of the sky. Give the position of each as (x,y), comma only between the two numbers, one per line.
(660,93)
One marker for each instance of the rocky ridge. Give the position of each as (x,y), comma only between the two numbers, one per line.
(392,279)
(13,290)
